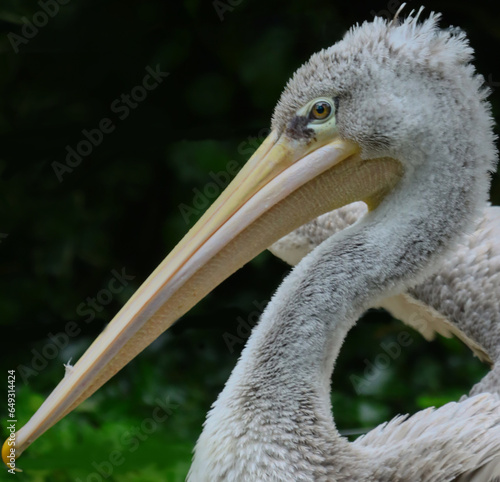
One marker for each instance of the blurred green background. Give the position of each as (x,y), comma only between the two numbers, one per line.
(64,235)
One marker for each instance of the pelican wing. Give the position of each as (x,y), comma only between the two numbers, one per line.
(463,438)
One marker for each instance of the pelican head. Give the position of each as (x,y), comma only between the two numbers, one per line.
(394,107)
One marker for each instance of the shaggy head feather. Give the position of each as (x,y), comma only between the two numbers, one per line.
(396,83)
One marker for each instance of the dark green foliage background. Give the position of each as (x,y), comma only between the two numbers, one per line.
(120,209)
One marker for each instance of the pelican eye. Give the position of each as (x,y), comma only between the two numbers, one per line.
(321,110)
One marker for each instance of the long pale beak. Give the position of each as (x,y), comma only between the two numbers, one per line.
(285,184)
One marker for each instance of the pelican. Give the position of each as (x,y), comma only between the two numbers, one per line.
(462,298)
(395,116)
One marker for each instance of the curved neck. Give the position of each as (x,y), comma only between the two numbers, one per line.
(281,384)
(393,247)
